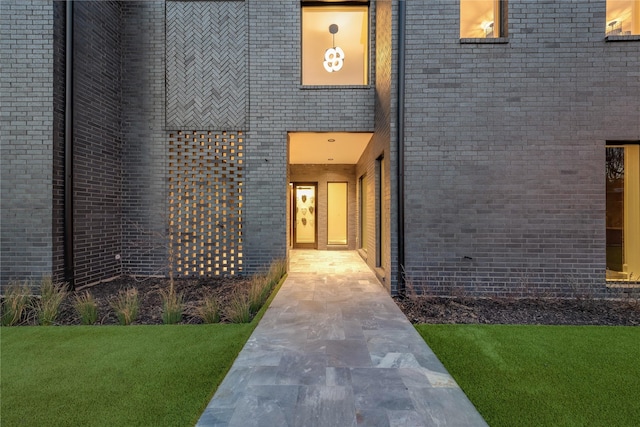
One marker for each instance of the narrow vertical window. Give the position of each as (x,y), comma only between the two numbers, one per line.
(623,212)
(481,19)
(337,202)
(380,211)
(363,213)
(623,17)
(335,44)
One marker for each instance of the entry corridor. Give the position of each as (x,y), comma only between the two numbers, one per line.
(333,349)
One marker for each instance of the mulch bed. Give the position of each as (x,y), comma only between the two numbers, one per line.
(193,291)
(418,309)
(525,311)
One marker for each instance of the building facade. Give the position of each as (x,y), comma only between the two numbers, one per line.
(478,147)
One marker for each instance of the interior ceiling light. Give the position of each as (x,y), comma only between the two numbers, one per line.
(331,140)
(334,56)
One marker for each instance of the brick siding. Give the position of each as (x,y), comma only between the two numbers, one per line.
(26,127)
(505,149)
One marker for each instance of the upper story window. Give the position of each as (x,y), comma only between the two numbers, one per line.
(623,17)
(335,44)
(483,19)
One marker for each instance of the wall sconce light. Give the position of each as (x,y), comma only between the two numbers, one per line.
(334,56)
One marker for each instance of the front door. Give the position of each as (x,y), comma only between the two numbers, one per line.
(305,214)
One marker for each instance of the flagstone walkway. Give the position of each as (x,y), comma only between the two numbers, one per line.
(333,349)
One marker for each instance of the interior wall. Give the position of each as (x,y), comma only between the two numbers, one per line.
(323,174)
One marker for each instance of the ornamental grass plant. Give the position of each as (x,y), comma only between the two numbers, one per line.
(86,307)
(15,303)
(208,310)
(47,306)
(126,305)
(239,308)
(258,293)
(172,306)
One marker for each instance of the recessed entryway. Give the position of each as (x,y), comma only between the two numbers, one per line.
(324,163)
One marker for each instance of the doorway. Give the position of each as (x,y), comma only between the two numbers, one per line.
(305,215)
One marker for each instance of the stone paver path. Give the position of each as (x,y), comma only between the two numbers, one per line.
(333,349)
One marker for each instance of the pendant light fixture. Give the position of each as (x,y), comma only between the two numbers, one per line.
(334,56)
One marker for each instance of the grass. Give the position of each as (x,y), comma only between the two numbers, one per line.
(208,310)
(86,307)
(544,375)
(126,305)
(239,308)
(47,306)
(172,306)
(15,303)
(110,375)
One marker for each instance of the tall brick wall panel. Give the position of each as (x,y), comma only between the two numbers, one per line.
(505,149)
(59,76)
(97,168)
(381,145)
(26,122)
(145,140)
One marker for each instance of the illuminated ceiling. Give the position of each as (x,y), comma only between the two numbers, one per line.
(327,147)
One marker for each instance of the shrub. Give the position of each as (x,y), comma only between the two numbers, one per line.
(16,300)
(87,308)
(47,306)
(172,305)
(126,306)
(208,310)
(239,309)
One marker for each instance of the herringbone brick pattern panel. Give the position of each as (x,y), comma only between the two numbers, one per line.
(207,65)
(205,202)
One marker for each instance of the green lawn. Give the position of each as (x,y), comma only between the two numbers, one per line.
(544,375)
(113,375)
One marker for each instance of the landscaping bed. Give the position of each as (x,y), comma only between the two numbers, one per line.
(141,301)
(524,311)
(418,309)
(149,295)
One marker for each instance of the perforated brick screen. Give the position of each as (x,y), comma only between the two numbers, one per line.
(205,202)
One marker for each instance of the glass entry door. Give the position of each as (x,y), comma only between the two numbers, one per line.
(305,215)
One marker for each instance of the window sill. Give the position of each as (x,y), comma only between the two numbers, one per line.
(629,38)
(336,87)
(623,284)
(492,40)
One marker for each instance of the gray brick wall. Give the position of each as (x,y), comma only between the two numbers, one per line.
(97,169)
(505,148)
(26,123)
(145,142)
(382,144)
(59,57)
(278,104)
(207,57)
(504,142)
